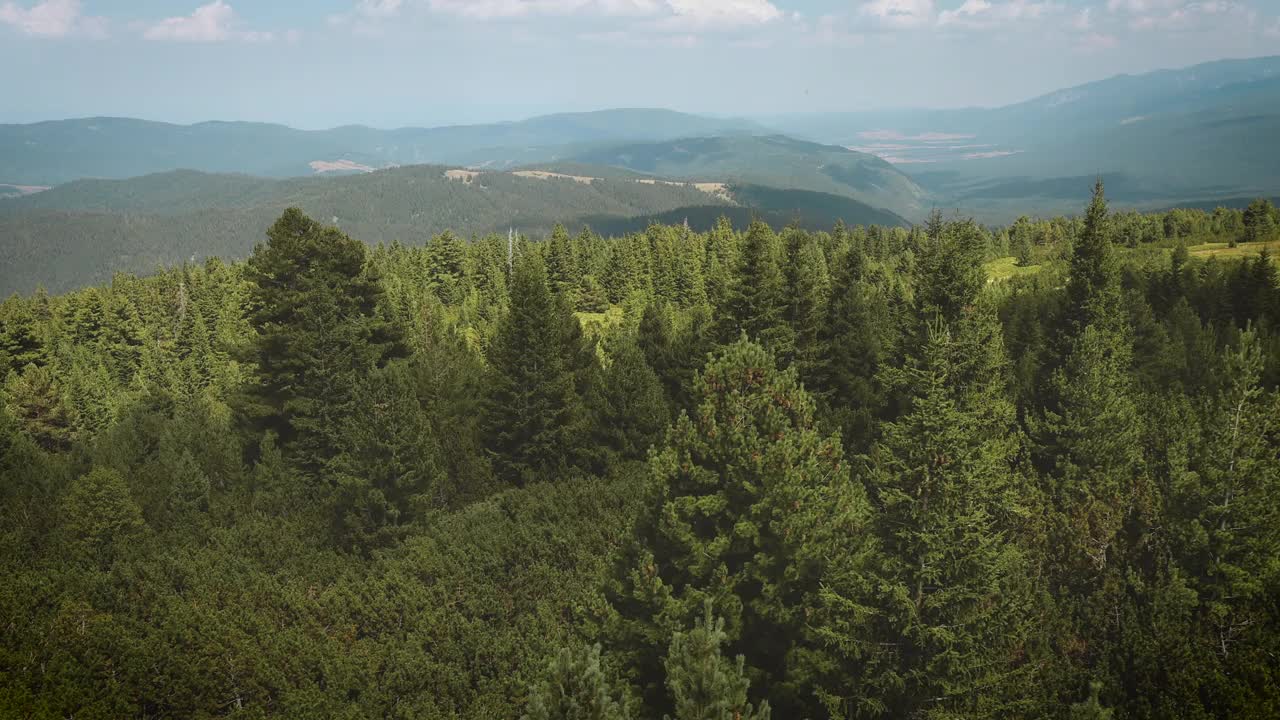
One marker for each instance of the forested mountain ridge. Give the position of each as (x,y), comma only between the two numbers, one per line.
(54,152)
(83,231)
(1171,136)
(774,161)
(939,471)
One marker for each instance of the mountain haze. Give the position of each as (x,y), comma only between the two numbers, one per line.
(55,152)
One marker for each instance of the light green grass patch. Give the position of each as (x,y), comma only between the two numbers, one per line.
(1004,268)
(1226,252)
(601,323)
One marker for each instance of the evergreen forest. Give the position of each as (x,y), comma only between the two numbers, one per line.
(949,471)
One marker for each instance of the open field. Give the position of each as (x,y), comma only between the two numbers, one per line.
(1225,251)
(1007,267)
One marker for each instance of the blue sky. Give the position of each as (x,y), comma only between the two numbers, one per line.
(391,63)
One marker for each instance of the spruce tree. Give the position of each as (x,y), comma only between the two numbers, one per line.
(808,307)
(951,583)
(101,517)
(20,343)
(748,500)
(757,303)
(447,261)
(853,341)
(533,407)
(628,406)
(563,269)
(318,331)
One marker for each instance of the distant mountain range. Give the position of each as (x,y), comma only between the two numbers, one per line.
(1196,134)
(1193,137)
(50,153)
(83,231)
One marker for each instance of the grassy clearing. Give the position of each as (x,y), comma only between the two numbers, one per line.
(1006,267)
(600,323)
(1225,252)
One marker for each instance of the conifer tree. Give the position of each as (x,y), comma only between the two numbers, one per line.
(447,261)
(314,308)
(387,466)
(949,271)
(721,260)
(808,307)
(757,303)
(629,409)
(953,600)
(34,398)
(748,500)
(703,684)
(563,270)
(853,346)
(20,343)
(533,406)
(1225,531)
(1093,284)
(100,515)
(574,687)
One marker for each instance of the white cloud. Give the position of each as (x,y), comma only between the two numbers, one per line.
(676,14)
(1083,20)
(215,22)
(1272,30)
(728,12)
(981,14)
(501,9)
(379,8)
(1137,7)
(898,14)
(52,18)
(1168,15)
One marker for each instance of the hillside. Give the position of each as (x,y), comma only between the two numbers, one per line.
(773,161)
(83,231)
(55,152)
(1188,135)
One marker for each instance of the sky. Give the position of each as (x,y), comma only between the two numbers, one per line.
(394,63)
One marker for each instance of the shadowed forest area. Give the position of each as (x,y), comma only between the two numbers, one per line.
(947,471)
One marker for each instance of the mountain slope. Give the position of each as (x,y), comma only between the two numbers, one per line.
(774,161)
(83,231)
(1196,133)
(55,152)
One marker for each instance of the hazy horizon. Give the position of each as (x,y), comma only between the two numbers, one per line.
(399,63)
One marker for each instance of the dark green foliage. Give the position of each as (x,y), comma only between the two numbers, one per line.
(629,409)
(36,401)
(533,409)
(854,341)
(339,482)
(745,500)
(20,346)
(314,308)
(955,606)
(949,268)
(1092,708)
(1259,220)
(100,516)
(447,258)
(757,303)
